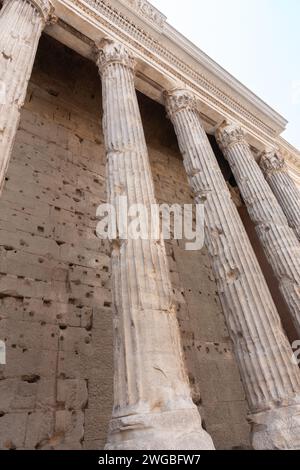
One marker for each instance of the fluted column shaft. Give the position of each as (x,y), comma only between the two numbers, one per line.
(283,186)
(271,380)
(153,408)
(21,24)
(278,240)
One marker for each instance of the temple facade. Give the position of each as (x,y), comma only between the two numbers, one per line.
(140,343)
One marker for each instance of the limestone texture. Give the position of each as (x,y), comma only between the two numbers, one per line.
(271,380)
(56,389)
(280,244)
(21,25)
(153,407)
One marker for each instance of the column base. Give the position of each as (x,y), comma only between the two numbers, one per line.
(173,430)
(277,429)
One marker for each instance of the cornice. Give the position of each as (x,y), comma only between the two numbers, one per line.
(148,12)
(165,57)
(148,45)
(222,75)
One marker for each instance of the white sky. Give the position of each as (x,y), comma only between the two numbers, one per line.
(257,41)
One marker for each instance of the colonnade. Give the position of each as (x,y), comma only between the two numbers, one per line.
(153,408)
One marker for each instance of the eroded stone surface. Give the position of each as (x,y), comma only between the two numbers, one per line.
(281,246)
(50,259)
(21,24)
(271,380)
(153,408)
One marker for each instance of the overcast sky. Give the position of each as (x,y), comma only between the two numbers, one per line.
(257,41)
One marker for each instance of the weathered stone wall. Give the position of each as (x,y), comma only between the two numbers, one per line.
(55,297)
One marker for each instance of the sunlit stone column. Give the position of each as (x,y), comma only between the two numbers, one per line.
(280,243)
(153,408)
(286,192)
(271,380)
(21,24)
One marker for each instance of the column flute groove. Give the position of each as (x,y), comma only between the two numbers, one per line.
(21,25)
(264,355)
(153,408)
(278,240)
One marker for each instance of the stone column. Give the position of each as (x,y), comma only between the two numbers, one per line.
(21,25)
(286,192)
(271,380)
(153,408)
(279,242)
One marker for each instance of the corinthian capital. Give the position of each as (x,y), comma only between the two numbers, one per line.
(228,134)
(109,51)
(178,99)
(272,162)
(45,8)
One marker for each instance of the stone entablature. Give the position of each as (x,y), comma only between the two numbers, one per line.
(151,412)
(147,11)
(165,56)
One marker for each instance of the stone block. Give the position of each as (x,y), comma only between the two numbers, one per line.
(72,393)
(13,430)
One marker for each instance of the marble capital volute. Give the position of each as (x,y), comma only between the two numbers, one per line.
(272,162)
(109,51)
(177,99)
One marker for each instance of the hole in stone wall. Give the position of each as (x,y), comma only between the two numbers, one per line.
(31,379)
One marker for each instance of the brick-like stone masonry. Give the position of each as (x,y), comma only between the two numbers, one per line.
(55,292)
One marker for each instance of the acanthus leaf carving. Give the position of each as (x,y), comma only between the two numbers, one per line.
(109,51)
(272,162)
(178,99)
(230,133)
